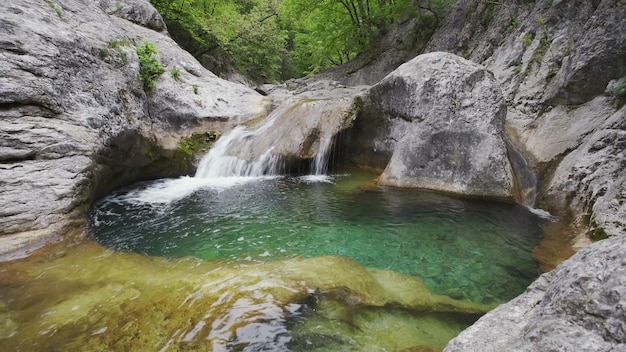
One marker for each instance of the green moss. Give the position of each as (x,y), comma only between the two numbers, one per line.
(198,143)
(175,72)
(598,234)
(56,9)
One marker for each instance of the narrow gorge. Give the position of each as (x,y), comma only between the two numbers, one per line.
(507,124)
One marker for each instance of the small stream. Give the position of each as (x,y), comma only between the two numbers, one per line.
(467,249)
(245,257)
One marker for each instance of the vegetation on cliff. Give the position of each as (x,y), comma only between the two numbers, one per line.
(281,39)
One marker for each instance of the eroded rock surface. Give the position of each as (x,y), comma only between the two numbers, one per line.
(577,307)
(437,122)
(75,120)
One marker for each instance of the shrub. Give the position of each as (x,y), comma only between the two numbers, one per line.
(175,72)
(149,65)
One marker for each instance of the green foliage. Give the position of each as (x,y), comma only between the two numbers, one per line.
(541,21)
(119,6)
(327,33)
(598,234)
(620,89)
(279,39)
(175,72)
(515,22)
(528,39)
(198,144)
(195,89)
(544,46)
(55,8)
(117,46)
(149,65)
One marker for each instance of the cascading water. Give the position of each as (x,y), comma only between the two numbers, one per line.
(218,162)
(320,162)
(294,131)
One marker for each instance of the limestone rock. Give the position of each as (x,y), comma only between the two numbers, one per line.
(440,120)
(136,11)
(300,131)
(74,119)
(577,307)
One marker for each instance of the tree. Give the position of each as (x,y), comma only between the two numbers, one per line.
(278,39)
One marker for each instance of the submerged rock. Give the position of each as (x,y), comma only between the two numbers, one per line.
(126,301)
(579,306)
(439,122)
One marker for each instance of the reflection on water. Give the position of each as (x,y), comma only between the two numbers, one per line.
(467,249)
(276,264)
(83,297)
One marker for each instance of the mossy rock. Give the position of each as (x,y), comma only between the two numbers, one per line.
(198,143)
(598,234)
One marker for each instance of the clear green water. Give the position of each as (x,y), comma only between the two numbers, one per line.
(466,249)
(269,264)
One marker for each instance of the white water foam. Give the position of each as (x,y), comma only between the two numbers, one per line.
(171,190)
(316,179)
(543,214)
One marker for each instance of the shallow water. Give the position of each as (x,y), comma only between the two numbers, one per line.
(467,249)
(269,264)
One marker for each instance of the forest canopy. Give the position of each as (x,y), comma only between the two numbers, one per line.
(269,40)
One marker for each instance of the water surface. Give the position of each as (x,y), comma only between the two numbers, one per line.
(323,263)
(467,249)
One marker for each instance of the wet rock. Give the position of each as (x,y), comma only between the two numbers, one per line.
(439,122)
(128,301)
(75,121)
(577,307)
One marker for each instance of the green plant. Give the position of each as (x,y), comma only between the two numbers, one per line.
(56,9)
(598,234)
(195,88)
(541,21)
(119,6)
(487,17)
(620,89)
(149,65)
(19,42)
(528,39)
(516,21)
(175,72)
(544,45)
(117,46)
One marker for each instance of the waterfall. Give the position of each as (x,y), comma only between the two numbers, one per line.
(320,162)
(300,129)
(219,163)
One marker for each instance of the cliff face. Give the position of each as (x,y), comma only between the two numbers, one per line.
(75,119)
(76,122)
(558,63)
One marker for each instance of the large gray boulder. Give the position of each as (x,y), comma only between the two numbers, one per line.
(437,122)
(75,121)
(556,62)
(579,306)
